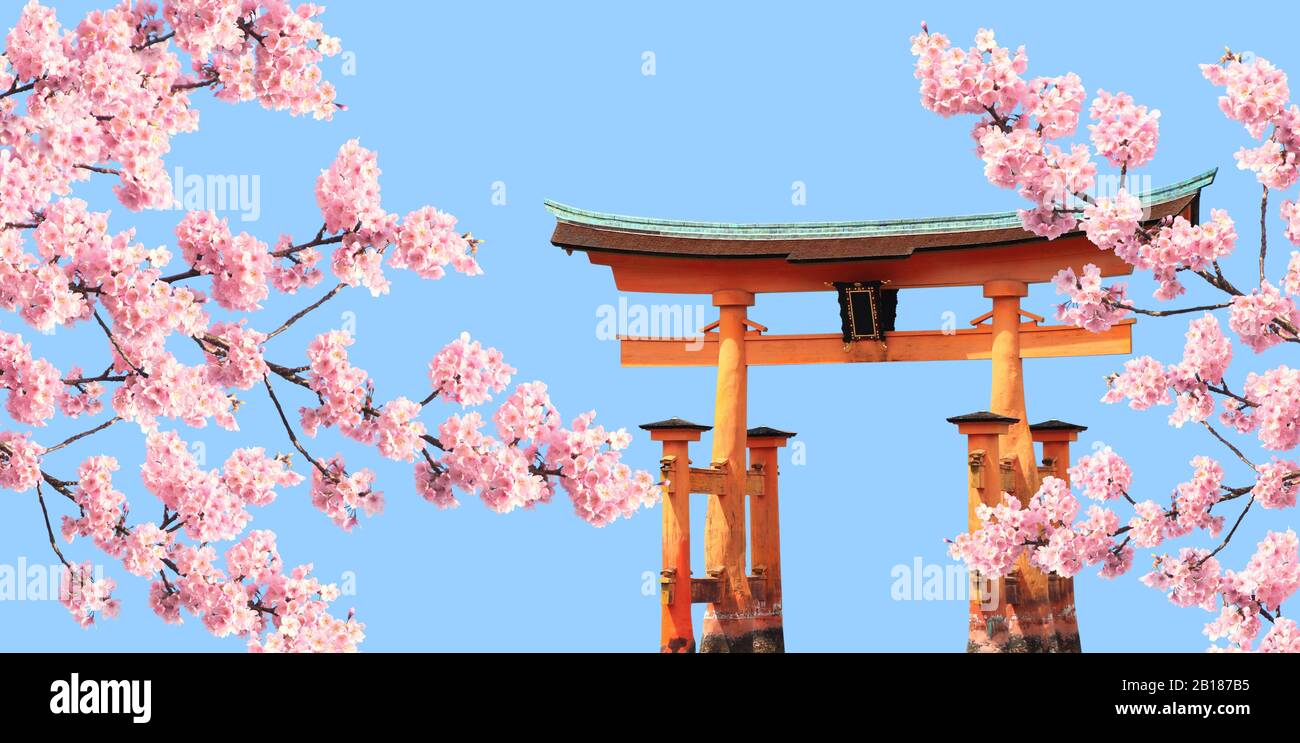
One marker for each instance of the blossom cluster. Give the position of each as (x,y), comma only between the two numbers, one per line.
(1020,117)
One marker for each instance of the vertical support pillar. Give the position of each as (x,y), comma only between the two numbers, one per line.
(765,539)
(728,623)
(993,619)
(1007,398)
(675,632)
(1056,437)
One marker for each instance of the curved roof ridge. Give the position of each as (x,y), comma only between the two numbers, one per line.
(856,228)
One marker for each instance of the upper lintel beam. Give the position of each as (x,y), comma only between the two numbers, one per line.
(1036,341)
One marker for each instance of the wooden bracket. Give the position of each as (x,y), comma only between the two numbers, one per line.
(667,586)
(1011,589)
(1035,319)
(976,469)
(1007,468)
(755,327)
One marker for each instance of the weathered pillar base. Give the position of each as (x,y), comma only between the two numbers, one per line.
(761,635)
(1010,634)
(720,643)
(768,635)
(679,645)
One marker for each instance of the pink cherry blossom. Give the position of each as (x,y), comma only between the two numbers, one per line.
(342,388)
(1191,579)
(427,241)
(1143,383)
(237,361)
(1111,223)
(1060,99)
(1282,638)
(84,596)
(1194,499)
(1254,316)
(1276,413)
(396,430)
(464,372)
(1102,475)
(1273,165)
(1277,484)
(34,384)
(103,507)
(1149,525)
(1291,282)
(1255,92)
(1208,352)
(1125,134)
(348,191)
(1090,305)
(145,549)
(341,495)
(20,462)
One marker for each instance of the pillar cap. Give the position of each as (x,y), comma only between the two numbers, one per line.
(764,432)
(675,429)
(764,437)
(1055,425)
(674,424)
(982,416)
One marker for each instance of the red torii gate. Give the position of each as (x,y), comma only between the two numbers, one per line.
(867,263)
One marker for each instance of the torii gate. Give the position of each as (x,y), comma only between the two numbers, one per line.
(733,263)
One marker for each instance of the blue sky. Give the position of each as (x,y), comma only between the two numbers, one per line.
(549,99)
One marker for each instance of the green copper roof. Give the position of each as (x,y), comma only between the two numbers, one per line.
(806,230)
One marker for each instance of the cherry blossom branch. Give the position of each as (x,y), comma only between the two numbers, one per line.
(306,310)
(113,340)
(204,83)
(49,529)
(293,437)
(1166,313)
(106,377)
(317,242)
(99,169)
(60,486)
(1229,444)
(84,434)
(1263,234)
(154,40)
(15,88)
(1231,531)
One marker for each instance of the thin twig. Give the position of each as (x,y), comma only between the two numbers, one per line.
(289,429)
(1228,444)
(84,434)
(303,312)
(49,530)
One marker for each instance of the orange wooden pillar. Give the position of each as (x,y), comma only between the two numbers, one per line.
(1056,437)
(765,540)
(728,622)
(994,622)
(676,635)
(1007,398)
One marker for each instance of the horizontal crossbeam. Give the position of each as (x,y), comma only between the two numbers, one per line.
(709,481)
(1036,342)
(709,590)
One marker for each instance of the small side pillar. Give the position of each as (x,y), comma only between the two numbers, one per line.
(676,634)
(1056,437)
(765,540)
(994,622)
